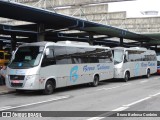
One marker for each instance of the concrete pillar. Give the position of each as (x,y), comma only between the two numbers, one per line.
(155,46)
(90,41)
(41,33)
(1,45)
(121,41)
(141,44)
(13,43)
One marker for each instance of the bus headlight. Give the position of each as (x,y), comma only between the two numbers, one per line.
(30,77)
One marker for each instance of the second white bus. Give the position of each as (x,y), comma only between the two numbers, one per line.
(47,65)
(133,62)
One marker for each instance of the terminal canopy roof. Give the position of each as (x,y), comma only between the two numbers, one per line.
(54,22)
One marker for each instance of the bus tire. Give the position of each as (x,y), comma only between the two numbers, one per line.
(49,88)
(126,76)
(95,81)
(148,73)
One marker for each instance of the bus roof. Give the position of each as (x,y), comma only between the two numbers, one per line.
(45,43)
(134,48)
(131,48)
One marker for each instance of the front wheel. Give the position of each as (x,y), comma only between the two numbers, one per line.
(49,88)
(126,77)
(95,81)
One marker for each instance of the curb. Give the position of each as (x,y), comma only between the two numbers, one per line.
(6,92)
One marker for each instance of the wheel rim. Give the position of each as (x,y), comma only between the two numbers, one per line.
(126,77)
(148,73)
(95,81)
(49,88)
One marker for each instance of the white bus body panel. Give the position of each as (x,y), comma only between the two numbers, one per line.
(66,75)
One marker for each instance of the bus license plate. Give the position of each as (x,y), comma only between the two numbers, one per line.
(15,81)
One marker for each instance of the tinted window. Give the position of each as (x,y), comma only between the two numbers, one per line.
(150,57)
(26,57)
(73,54)
(91,55)
(77,55)
(140,56)
(61,55)
(134,55)
(49,59)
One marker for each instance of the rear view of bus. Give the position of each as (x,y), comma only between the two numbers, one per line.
(133,62)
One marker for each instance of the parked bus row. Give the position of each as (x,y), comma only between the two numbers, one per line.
(47,65)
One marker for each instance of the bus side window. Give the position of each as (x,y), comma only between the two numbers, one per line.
(126,57)
(48,59)
(60,54)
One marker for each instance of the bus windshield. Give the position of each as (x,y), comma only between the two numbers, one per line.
(118,56)
(26,57)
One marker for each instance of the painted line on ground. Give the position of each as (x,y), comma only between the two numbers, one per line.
(138,101)
(121,108)
(96,118)
(155,94)
(114,87)
(144,81)
(127,84)
(30,104)
(124,107)
(107,88)
(6,107)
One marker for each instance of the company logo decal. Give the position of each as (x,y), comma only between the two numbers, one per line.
(151,64)
(73,74)
(137,68)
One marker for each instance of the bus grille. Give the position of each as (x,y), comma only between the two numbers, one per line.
(17,77)
(16,84)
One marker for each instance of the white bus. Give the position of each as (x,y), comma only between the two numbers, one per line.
(133,62)
(48,65)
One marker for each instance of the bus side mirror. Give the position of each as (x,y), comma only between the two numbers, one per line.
(125,59)
(47,51)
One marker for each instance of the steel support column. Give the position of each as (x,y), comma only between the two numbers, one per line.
(90,41)
(121,41)
(13,43)
(41,32)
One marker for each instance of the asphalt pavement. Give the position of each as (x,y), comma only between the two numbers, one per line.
(90,103)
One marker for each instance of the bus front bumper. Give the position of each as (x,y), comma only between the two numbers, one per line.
(26,84)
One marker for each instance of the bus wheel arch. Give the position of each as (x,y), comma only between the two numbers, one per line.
(126,76)
(148,73)
(95,80)
(50,86)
